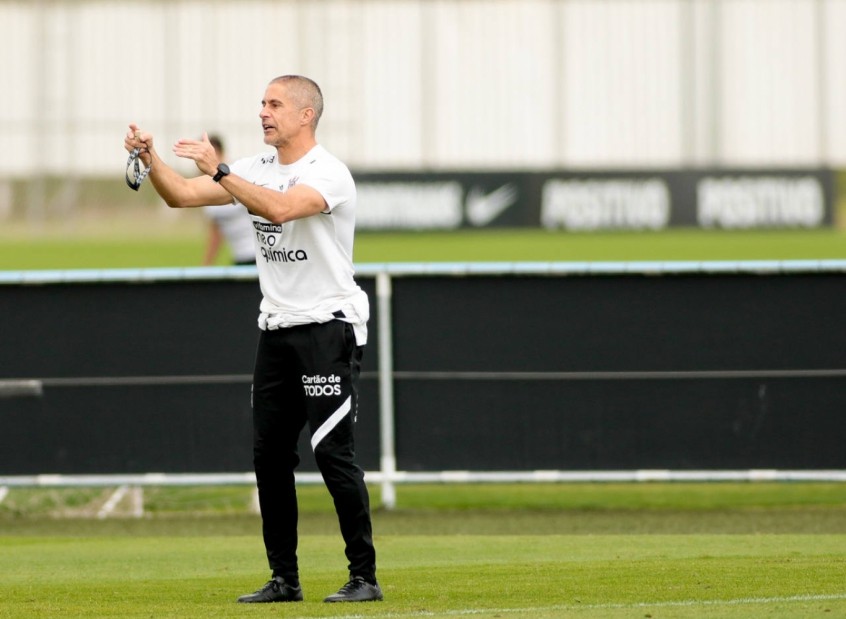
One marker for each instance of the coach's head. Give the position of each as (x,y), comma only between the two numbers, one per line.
(290,110)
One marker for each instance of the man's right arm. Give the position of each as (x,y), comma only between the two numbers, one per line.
(176,190)
(180,192)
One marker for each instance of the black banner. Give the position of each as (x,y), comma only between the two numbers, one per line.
(592,201)
(504,371)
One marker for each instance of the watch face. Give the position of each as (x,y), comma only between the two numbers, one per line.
(222,170)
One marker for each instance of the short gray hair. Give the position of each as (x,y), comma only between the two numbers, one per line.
(305,92)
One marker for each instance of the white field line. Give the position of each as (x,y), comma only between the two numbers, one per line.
(465,612)
(111,503)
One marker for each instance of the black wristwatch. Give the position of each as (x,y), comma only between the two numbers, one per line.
(222,170)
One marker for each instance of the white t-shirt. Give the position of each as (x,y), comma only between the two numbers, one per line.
(305,266)
(236,227)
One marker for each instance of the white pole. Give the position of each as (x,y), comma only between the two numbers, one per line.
(387,457)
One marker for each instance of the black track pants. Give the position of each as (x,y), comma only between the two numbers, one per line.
(309,374)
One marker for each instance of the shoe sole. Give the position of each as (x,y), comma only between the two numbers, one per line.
(268,601)
(327,600)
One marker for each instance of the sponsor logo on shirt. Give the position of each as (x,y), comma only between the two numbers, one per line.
(267,228)
(283,255)
(267,238)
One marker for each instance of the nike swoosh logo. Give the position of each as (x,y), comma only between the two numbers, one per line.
(481,208)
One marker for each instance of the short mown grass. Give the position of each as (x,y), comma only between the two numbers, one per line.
(498,550)
(125,247)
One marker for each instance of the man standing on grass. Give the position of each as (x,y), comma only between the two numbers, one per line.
(313,321)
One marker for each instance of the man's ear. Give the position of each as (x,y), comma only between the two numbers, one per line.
(306,116)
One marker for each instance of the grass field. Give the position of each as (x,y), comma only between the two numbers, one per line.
(557,550)
(127,250)
(524,551)
(107,226)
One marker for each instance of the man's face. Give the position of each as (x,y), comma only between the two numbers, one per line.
(281,117)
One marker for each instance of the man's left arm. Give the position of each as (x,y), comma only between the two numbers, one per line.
(298,202)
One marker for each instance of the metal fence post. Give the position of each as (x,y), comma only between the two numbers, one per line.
(387,457)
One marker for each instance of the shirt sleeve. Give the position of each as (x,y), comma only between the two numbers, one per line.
(333,181)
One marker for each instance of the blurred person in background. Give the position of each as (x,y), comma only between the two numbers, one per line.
(230,224)
(312,322)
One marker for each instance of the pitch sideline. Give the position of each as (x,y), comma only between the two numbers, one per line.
(466,612)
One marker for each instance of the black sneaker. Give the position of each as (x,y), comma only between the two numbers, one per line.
(357,590)
(275,590)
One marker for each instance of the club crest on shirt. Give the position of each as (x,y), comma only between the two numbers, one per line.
(291,182)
